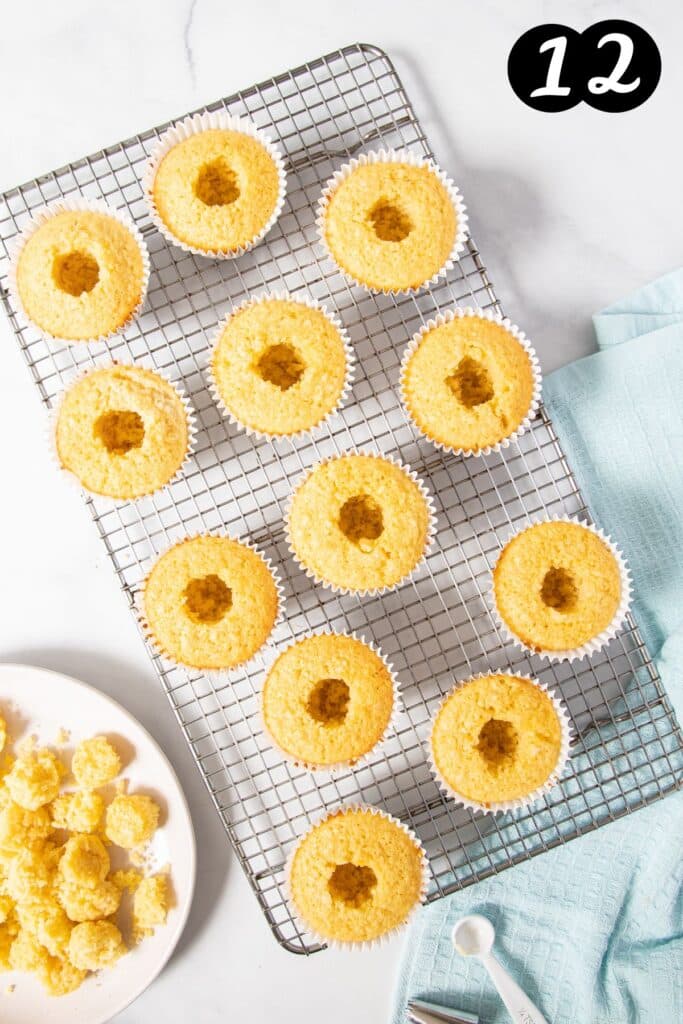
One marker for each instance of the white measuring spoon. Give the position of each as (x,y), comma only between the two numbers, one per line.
(474,936)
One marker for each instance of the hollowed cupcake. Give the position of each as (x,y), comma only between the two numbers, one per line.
(470,381)
(215,184)
(122,431)
(280,365)
(328,700)
(210,602)
(392,221)
(357,876)
(561,588)
(499,742)
(80,271)
(360,522)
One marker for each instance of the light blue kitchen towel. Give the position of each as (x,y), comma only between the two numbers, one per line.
(594,930)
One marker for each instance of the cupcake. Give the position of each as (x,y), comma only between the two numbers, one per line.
(215,184)
(122,431)
(392,221)
(356,876)
(499,742)
(210,602)
(280,365)
(561,588)
(80,271)
(470,381)
(359,522)
(328,700)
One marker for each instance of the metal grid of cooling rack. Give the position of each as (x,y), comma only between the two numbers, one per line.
(435,629)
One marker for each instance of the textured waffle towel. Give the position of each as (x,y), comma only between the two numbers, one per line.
(594,930)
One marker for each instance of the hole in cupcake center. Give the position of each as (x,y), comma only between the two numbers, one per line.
(216,184)
(498,741)
(559,590)
(361,521)
(207,599)
(391,224)
(328,701)
(470,383)
(281,365)
(76,272)
(352,884)
(119,430)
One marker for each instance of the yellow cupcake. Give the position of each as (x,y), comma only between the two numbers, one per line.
(327,700)
(497,738)
(557,586)
(215,184)
(210,602)
(280,366)
(81,273)
(391,222)
(469,381)
(123,431)
(356,876)
(359,523)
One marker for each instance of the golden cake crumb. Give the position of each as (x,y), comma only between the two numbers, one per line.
(3,733)
(128,879)
(84,861)
(390,226)
(150,903)
(95,762)
(557,585)
(496,738)
(131,820)
(34,779)
(78,812)
(95,944)
(80,275)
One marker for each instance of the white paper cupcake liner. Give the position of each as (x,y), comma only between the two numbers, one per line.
(397,929)
(303,300)
(79,204)
(105,500)
(507,806)
(194,125)
(429,540)
(338,766)
(218,675)
(601,639)
(485,314)
(395,156)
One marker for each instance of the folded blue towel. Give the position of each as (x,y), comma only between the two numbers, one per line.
(594,930)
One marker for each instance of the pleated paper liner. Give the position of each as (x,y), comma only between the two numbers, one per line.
(304,432)
(195,125)
(81,205)
(601,639)
(390,933)
(429,539)
(337,767)
(517,804)
(397,157)
(512,329)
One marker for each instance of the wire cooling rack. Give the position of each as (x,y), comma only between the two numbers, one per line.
(435,629)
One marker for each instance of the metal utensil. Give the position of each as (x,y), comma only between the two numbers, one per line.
(422,1012)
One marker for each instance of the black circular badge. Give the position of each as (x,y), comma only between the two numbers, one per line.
(613,66)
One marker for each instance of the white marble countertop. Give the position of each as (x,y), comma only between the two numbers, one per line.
(570,211)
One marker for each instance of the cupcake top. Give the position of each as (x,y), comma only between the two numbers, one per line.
(359,522)
(468,383)
(123,431)
(217,190)
(327,700)
(557,585)
(496,738)
(210,602)
(80,275)
(389,225)
(279,366)
(356,876)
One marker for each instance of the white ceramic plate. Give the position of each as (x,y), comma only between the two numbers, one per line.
(37,701)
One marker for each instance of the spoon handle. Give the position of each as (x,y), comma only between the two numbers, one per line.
(520,1007)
